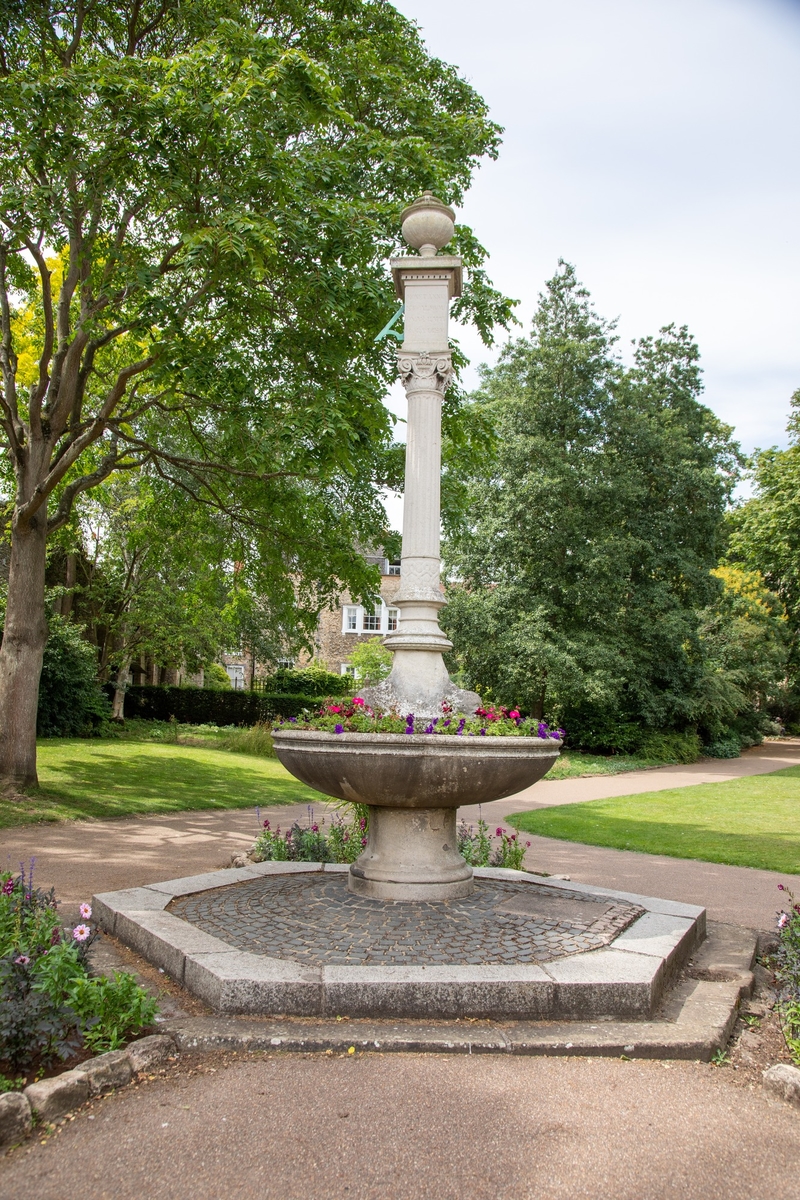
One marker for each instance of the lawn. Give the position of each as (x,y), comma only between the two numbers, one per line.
(752,822)
(82,778)
(571,764)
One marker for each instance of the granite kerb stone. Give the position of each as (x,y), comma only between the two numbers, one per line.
(50,1099)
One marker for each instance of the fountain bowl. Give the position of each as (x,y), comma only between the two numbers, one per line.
(413,784)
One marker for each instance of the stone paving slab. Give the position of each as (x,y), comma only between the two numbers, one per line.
(572,970)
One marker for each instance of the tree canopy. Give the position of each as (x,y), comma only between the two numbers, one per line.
(593,536)
(197,201)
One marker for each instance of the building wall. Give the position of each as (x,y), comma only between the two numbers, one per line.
(335,644)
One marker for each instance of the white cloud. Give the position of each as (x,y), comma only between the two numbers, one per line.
(654,144)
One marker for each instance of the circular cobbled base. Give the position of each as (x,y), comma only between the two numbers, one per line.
(314,919)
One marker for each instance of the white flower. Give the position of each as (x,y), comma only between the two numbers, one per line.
(783,920)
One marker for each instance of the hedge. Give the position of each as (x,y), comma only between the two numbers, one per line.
(207,706)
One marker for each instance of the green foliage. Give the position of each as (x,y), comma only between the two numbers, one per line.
(765,538)
(201,706)
(475,845)
(312,680)
(787,973)
(110,1010)
(670,747)
(593,534)
(220,186)
(48,1003)
(71,702)
(343,844)
(216,678)
(372,662)
(354,716)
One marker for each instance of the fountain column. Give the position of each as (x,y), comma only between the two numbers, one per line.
(419,682)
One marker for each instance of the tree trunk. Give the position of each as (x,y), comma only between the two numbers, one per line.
(24,638)
(120,688)
(68,598)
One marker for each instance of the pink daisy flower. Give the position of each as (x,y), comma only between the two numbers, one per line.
(81,933)
(85,911)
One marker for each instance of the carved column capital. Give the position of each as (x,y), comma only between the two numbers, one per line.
(424,372)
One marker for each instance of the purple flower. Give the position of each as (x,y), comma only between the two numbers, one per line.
(338,729)
(781,888)
(542,730)
(482,732)
(8,887)
(429,728)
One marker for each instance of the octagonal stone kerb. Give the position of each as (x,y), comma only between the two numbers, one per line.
(624,980)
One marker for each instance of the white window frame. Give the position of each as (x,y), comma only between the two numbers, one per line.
(393,568)
(346,669)
(392,614)
(358,614)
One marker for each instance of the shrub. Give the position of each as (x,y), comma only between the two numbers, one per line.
(49,1006)
(723,747)
(372,662)
(216,678)
(312,680)
(670,747)
(787,973)
(71,702)
(206,706)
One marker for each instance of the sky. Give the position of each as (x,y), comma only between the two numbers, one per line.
(655,145)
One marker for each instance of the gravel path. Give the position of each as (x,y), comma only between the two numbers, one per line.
(411,1127)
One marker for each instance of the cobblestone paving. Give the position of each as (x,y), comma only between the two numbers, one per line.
(314,919)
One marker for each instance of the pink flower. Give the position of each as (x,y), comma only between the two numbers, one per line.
(783,920)
(266,824)
(334,708)
(22,960)
(499,831)
(81,933)
(357,700)
(85,911)
(514,714)
(8,887)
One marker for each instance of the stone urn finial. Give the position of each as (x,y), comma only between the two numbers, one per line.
(428,224)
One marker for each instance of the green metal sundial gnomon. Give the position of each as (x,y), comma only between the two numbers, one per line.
(389,330)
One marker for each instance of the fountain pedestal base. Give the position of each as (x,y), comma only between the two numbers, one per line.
(411,854)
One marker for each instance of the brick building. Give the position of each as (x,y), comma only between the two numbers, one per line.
(341,629)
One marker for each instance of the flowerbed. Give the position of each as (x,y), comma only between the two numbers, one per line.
(346,838)
(787,973)
(343,842)
(356,716)
(50,1007)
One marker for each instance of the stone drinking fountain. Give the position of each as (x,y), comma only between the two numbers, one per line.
(414,783)
(281,940)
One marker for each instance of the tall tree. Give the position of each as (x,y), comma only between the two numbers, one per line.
(197,200)
(765,537)
(594,535)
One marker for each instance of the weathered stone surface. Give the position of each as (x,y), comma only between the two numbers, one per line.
(164,940)
(107,1071)
(150,1051)
(51,1098)
(15,1119)
(106,906)
(783,1081)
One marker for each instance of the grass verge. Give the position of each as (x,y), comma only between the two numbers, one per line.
(752,822)
(82,779)
(571,764)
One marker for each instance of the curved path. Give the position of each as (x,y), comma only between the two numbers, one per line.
(83,857)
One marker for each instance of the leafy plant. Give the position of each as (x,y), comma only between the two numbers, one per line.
(356,716)
(475,846)
(786,964)
(511,851)
(71,703)
(372,661)
(49,1005)
(110,1010)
